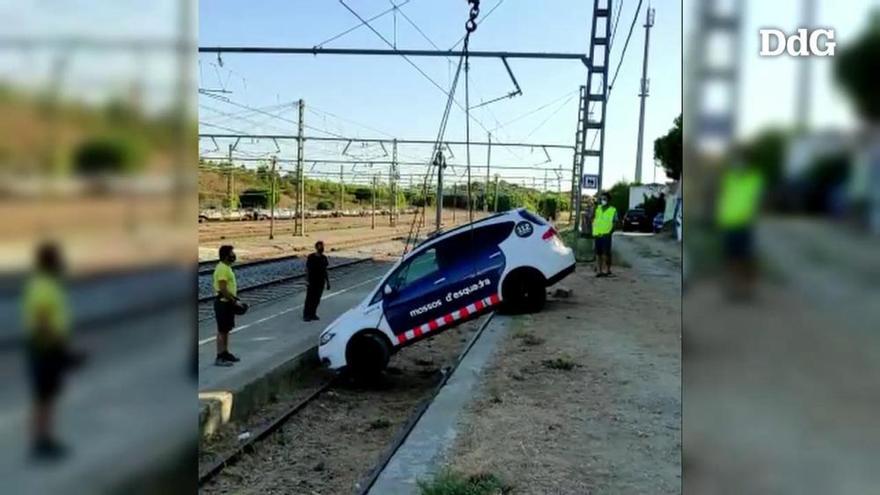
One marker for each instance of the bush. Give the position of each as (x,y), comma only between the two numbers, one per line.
(325,205)
(109,155)
(549,207)
(451,483)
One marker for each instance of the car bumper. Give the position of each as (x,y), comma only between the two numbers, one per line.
(561,275)
(331,356)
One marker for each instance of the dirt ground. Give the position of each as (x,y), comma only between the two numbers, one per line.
(334,443)
(781,390)
(585,396)
(97,234)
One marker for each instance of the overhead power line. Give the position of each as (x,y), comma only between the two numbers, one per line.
(625,45)
(363,23)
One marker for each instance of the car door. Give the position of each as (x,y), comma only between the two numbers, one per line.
(419,288)
(489,259)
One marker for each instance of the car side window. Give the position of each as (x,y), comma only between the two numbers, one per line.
(490,236)
(423,265)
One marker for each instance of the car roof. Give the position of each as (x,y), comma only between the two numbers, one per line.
(476,223)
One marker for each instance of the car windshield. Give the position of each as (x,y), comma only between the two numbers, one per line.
(636,213)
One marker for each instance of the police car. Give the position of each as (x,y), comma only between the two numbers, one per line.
(506,259)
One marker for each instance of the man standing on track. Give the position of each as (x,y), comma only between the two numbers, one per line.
(604,219)
(225,290)
(316,277)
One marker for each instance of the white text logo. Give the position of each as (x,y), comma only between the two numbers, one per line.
(804,43)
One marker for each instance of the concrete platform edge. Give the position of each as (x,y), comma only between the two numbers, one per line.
(218,408)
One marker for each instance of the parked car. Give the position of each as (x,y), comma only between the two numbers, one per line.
(658,222)
(507,259)
(636,220)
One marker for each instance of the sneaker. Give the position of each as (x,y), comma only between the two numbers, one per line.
(308,318)
(223,361)
(231,357)
(315,317)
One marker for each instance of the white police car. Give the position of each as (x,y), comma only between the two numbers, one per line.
(508,258)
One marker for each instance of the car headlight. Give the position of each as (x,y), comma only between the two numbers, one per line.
(327,337)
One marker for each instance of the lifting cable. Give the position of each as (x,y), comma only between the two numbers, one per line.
(438,160)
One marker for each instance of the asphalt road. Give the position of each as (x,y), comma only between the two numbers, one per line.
(127,411)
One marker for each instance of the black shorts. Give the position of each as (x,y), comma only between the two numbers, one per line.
(225,315)
(603,245)
(738,244)
(46,367)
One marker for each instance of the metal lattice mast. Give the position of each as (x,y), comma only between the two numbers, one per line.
(488,168)
(596,93)
(395,175)
(578,150)
(300,228)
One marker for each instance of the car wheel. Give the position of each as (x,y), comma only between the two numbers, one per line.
(524,293)
(367,354)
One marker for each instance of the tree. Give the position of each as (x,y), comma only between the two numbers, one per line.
(667,149)
(109,155)
(618,197)
(856,67)
(766,151)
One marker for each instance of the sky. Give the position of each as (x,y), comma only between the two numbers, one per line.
(93,76)
(386,96)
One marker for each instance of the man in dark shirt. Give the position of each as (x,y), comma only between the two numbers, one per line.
(317,278)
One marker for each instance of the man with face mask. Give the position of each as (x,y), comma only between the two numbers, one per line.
(226,292)
(316,278)
(604,219)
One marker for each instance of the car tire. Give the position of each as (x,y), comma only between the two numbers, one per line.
(367,354)
(524,293)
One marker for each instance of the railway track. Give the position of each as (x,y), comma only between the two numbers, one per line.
(234,230)
(207,267)
(215,468)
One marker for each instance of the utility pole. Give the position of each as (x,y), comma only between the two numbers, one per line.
(272,203)
(230,181)
(495,207)
(805,70)
(643,94)
(488,167)
(300,226)
(341,206)
(395,174)
(454,201)
(440,163)
(373,210)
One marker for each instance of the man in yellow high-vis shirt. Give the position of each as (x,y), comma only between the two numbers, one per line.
(226,297)
(604,220)
(47,322)
(739,199)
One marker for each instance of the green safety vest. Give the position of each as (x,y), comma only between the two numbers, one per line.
(739,198)
(603,220)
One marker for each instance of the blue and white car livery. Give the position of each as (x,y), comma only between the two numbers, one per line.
(508,258)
